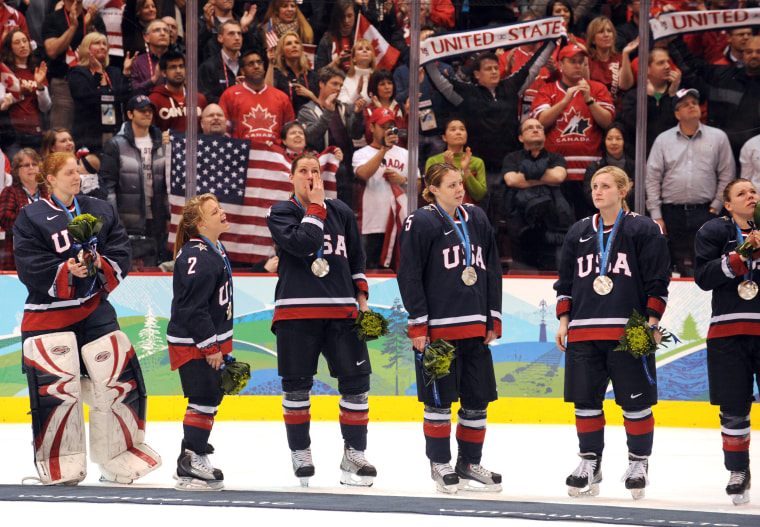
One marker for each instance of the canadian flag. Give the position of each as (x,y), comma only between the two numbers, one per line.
(385,54)
(10,81)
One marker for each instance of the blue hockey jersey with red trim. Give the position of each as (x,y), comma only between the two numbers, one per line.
(439,304)
(199,323)
(298,236)
(638,264)
(43,245)
(717,267)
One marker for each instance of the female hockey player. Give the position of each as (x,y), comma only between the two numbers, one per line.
(450,282)
(611,264)
(733,340)
(199,333)
(321,280)
(70,329)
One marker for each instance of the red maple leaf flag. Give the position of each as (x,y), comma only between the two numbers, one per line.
(10,82)
(385,54)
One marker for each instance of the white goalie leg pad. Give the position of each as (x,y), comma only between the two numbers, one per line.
(60,450)
(117,431)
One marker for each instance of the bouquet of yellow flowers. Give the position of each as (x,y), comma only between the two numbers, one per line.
(84,229)
(436,360)
(638,339)
(235,375)
(745,248)
(370,326)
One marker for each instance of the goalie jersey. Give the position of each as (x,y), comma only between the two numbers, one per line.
(439,304)
(201,317)
(638,265)
(298,237)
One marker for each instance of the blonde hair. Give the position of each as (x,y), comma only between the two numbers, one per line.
(621,179)
(51,165)
(279,58)
(364,41)
(306,33)
(84,48)
(433,176)
(18,158)
(192,215)
(594,27)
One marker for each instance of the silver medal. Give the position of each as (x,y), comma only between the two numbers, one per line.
(602,285)
(469,275)
(229,310)
(747,290)
(320,267)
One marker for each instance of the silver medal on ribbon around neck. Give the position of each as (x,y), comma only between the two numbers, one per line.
(603,285)
(747,290)
(469,276)
(320,267)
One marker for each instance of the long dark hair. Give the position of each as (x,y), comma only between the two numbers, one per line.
(7,57)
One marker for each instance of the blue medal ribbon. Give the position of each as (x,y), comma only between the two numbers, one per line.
(461,230)
(218,249)
(747,276)
(604,252)
(434,385)
(321,248)
(29,197)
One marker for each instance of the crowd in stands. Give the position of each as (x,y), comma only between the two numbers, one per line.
(527,126)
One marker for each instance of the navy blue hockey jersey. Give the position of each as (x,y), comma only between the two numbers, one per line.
(638,265)
(201,317)
(439,304)
(298,236)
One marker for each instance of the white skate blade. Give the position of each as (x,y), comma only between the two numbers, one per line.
(195,484)
(304,481)
(352,480)
(590,491)
(471,485)
(740,499)
(446,489)
(116,483)
(638,494)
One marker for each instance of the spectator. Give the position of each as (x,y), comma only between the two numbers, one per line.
(99,90)
(112,13)
(613,153)
(215,13)
(606,64)
(381,89)
(687,170)
(663,82)
(564,9)
(357,79)
(176,43)
(460,155)
(335,46)
(169,98)
(329,122)
(138,14)
(289,72)
(286,16)
(749,160)
(710,45)
(63,31)
(145,71)
(23,191)
(26,114)
(213,121)
(132,167)
(382,168)
(575,112)
(733,54)
(220,70)
(537,215)
(628,31)
(10,19)
(254,110)
(88,165)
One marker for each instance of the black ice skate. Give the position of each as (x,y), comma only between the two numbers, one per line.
(355,470)
(738,486)
(195,472)
(585,479)
(475,477)
(446,479)
(303,466)
(636,477)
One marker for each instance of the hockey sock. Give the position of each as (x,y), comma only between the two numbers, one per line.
(197,425)
(639,429)
(354,416)
(296,410)
(471,432)
(589,425)
(735,431)
(437,430)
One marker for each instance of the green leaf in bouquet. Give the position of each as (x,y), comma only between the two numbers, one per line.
(436,360)
(84,227)
(235,376)
(371,325)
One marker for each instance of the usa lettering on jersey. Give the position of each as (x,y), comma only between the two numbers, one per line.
(451,256)
(338,248)
(586,263)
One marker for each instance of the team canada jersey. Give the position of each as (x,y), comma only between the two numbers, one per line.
(298,236)
(574,134)
(439,304)
(43,245)
(719,268)
(201,317)
(256,115)
(638,265)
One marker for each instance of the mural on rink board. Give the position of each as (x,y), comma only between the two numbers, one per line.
(527,362)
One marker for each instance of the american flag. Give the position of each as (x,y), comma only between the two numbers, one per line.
(272,37)
(247,178)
